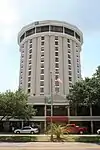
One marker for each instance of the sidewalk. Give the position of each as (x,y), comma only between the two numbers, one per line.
(48,146)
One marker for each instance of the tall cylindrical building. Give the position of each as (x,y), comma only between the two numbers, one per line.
(49,46)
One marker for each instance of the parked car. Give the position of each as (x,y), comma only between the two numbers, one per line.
(72,128)
(26,129)
(98,131)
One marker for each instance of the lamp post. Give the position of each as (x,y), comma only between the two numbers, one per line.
(51,90)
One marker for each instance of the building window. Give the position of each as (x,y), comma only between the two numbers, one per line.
(41,83)
(56,59)
(77,70)
(42,49)
(56,37)
(78,65)
(70,73)
(56,53)
(69,61)
(41,90)
(41,77)
(70,84)
(29,73)
(30,51)
(30,40)
(56,83)
(69,67)
(30,56)
(70,78)
(76,50)
(56,42)
(42,54)
(77,60)
(56,71)
(29,90)
(42,71)
(68,40)
(29,84)
(69,51)
(68,45)
(57,89)
(29,68)
(30,45)
(42,65)
(56,77)
(29,79)
(56,65)
(42,38)
(42,43)
(30,61)
(56,48)
(42,59)
(69,56)
(56,29)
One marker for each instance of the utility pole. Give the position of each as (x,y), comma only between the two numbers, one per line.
(51,90)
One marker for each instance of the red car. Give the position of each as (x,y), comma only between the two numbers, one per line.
(72,128)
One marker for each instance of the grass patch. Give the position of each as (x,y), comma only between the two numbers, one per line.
(65,138)
(18,138)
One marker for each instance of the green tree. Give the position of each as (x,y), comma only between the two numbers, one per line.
(86,92)
(14,105)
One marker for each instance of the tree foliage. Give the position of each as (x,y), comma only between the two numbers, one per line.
(14,105)
(86,92)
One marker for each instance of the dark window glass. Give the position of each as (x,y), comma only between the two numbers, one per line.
(70,73)
(56,53)
(30,56)
(42,29)
(69,61)
(22,37)
(30,32)
(42,65)
(57,29)
(56,77)
(28,90)
(56,59)
(77,36)
(69,56)
(42,71)
(56,37)
(57,89)
(41,90)
(56,42)
(56,83)
(30,51)
(56,65)
(29,73)
(69,67)
(69,31)
(56,48)
(68,45)
(42,38)
(42,77)
(70,78)
(42,83)
(29,84)
(29,78)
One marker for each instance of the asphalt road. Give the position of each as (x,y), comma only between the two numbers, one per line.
(48,146)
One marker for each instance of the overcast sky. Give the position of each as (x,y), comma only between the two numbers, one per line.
(14,14)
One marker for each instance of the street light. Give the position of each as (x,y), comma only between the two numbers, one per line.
(51,90)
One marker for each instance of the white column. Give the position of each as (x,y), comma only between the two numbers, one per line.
(91,121)
(68,111)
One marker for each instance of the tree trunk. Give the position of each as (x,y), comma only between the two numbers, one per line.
(90,109)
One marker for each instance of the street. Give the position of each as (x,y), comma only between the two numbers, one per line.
(48,146)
